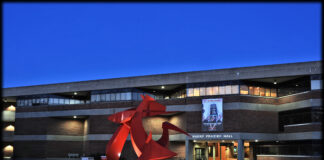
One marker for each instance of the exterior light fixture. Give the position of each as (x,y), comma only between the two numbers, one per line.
(162,87)
(277,141)
(74,117)
(296,85)
(11,108)
(256,140)
(154,91)
(275,82)
(75,93)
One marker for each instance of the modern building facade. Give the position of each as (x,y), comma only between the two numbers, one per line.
(256,113)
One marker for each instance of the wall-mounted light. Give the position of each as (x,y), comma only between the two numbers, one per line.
(162,87)
(10,128)
(11,108)
(74,117)
(275,82)
(296,85)
(75,93)
(256,140)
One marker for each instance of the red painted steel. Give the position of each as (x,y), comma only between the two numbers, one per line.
(131,122)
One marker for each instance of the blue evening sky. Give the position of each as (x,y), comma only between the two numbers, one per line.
(47,43)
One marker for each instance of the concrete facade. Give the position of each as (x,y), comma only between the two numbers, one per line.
(51,132)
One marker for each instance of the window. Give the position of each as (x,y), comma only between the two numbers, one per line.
(262,92)
(117,96)
(72,101)
(190,92)
(251,91)
(196,91)
(273,92)
(102,97)
(61,101)
(244,89)
(123,96)
(202,91)
(51,101)
(256,91)
(66,101)
(128,96)
(216,90)
(228,89)
(221,89)
(55,101)
(107,97)
(113,97)
(267,92)
(209,91)
(93,97)
(235,89)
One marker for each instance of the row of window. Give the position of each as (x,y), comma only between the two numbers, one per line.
(214,90)
(258,91)
(126,96)
(48,101)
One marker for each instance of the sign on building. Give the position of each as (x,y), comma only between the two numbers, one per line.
(212,114)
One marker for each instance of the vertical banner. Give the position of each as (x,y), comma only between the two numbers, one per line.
(212,114)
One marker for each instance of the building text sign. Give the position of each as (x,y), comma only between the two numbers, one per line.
(212,136)
(212,114)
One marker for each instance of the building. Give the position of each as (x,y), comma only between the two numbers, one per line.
(262,112)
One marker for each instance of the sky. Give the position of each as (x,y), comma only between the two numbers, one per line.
(46,43)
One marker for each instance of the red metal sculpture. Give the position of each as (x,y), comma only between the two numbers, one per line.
(131,122)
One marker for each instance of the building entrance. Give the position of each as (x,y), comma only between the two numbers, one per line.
(219,150)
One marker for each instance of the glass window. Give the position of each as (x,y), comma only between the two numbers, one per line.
(34,100)
(134,96)
(72,101)
(61,101)
(251,90)
(228,89)
(273,92)
(66,101)
(202,91)
(128,96)
(216,90)
(267,92)
(97,97)
(113,97)
(262,92)
(123,96)
(221,90)
(55,100)
(190,92)
(256,91)
(93,98)
(29,102)
(117,96)
(77,101)
(51,101)
(102,97)
(196,91)
(42,100)
(244,89)
(235,89)
(209,91)
(107,97)
(37,100)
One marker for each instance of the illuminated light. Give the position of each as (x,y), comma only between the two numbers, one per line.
(8,148)
(118,154)
(75,93)
(162,87)
(11,108)
(296,85)
(154,91)
(256,140)
(223,141)
(10,128)
(275,82)
(74,117)
(277,141)
(232,141)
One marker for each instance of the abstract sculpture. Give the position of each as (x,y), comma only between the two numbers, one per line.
(131,122)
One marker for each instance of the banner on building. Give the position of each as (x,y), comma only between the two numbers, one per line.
(212,114)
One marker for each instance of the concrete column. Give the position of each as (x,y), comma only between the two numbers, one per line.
(240,149)
(189,149)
